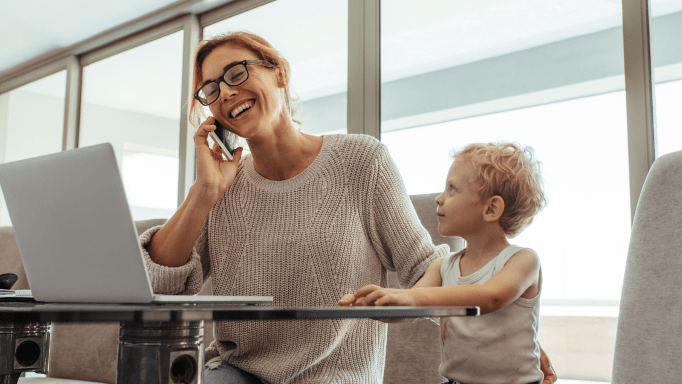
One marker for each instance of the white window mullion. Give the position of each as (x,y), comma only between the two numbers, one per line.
(72,104)
(187,159)
(639,94)
(364,67)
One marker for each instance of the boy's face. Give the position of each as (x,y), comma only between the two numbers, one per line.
(460,207)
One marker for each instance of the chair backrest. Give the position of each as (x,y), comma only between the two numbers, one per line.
(649,336)
(425,205)
(413,349)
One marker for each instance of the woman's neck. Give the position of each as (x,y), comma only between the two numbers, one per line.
(284,152)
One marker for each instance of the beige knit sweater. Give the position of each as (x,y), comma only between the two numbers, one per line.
(307,241)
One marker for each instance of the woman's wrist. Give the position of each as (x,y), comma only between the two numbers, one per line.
(204,196)
(172,244)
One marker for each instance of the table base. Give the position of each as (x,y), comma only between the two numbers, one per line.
(24,347)
(161,353)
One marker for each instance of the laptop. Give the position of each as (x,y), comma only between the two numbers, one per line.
(75,232)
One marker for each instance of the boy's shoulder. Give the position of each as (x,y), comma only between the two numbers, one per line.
(514,249)
(523,252)
(517,253)
(449,262)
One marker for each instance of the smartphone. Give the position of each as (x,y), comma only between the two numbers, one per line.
(220,136)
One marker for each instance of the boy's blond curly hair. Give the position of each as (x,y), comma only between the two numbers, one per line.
(508,170)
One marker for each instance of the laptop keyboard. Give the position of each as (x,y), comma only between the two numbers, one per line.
(16,293)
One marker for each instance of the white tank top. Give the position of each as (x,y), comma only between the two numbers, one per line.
(498,347)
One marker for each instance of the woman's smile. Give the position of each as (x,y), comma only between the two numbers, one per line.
(241,109)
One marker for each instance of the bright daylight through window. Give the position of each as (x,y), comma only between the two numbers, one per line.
(132,100)
(47,132)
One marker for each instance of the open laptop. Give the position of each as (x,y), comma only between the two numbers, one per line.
(75,232)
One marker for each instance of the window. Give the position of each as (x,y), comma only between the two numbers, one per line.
(547,74)
(666,32)
(23,134)
(132,100)
(587,221)
(316,48)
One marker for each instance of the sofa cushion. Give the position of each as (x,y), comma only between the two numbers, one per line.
(84,351)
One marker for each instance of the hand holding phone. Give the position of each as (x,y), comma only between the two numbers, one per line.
(219,135)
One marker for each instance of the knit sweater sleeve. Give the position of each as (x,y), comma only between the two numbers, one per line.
(398,237)
(186,279)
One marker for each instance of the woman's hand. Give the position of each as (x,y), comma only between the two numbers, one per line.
(347,300)
(546,368)
(213,172)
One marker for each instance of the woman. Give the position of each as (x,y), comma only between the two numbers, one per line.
(304,219)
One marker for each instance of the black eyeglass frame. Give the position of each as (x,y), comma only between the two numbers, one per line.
(217,81)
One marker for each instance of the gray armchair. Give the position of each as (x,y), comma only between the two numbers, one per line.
(649,336)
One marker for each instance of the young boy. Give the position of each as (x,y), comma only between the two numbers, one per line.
(492,193)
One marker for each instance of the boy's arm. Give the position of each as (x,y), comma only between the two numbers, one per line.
(431,278)
(519,273)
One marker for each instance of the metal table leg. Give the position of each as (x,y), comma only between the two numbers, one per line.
(24,347)
(161,353)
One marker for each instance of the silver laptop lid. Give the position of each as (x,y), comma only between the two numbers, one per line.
(73,226)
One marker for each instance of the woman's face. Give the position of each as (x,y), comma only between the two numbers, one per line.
(262,91)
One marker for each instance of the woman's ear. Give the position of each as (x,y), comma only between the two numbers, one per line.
(494,209)
(280,79)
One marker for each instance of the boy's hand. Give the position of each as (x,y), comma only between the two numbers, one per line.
(375,295)
(349,299)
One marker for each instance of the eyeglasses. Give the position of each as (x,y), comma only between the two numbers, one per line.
(234,75)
